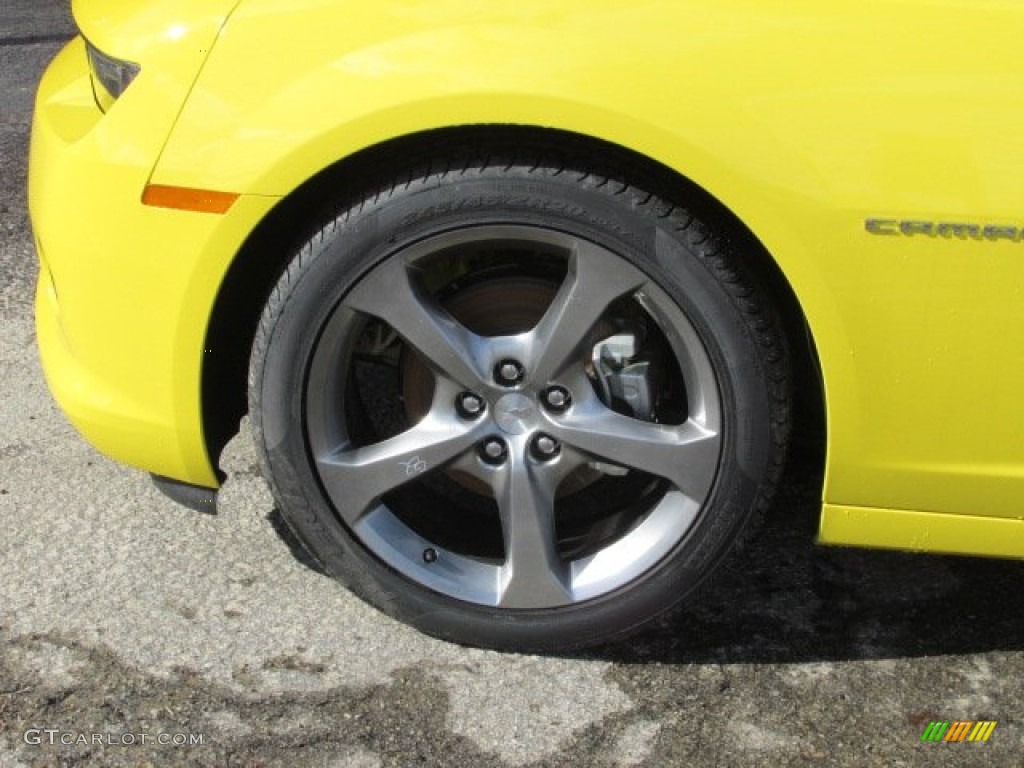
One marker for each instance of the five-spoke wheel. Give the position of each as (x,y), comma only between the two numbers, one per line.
(510,421)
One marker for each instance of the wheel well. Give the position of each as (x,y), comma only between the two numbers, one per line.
(266,252)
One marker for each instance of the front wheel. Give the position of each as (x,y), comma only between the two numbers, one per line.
(518,406)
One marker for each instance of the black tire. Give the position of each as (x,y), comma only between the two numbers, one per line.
(360,373)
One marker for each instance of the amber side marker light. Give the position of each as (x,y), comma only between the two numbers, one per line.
(185,199)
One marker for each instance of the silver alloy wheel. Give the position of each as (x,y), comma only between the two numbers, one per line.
(545,440)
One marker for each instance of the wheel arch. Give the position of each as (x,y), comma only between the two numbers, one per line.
(259,263)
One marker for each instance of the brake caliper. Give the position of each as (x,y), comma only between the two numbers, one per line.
(623,382)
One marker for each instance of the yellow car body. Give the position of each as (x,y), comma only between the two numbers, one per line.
(873,148)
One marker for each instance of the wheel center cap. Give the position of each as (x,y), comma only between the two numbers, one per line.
(515,414)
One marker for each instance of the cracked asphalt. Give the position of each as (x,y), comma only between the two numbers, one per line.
(125,618)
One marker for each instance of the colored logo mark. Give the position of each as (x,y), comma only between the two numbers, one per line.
(958,730)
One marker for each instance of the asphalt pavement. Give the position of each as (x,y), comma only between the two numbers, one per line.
(127,621)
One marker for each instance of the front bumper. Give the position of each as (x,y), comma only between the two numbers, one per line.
(125,290)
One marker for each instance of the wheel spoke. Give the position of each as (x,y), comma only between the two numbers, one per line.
(596,278)
(686,454)
(390,293)
(356,478)
(534,576)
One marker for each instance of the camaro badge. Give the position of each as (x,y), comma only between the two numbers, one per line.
(948,229)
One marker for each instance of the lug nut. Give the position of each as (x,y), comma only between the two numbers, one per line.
(508,373)
(545,447)
(557,399)
(493,451)
(469,405)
